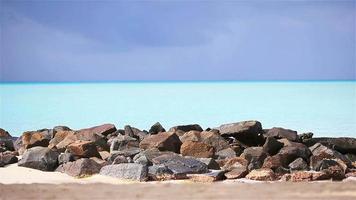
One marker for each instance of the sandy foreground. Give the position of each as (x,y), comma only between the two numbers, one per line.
(24,183)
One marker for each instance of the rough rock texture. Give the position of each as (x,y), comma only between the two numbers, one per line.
(59,137)
(261,175)
(210,162)
(197,149)
(332,168)
(180,165)
(207,177)
(7,158)
(41,158)
(156,128)
(279,133)
(35,138)
(131,171)
(146,157)
(208,137)
(83,149)
(321,152)
(236,173)
(186,128)
(65,157)
(6,143)
(80,168)
(298,165)
(255,156)
(248,132)
(300,176)
(272,146)
(165,141)
(343,144)
(237,162)
(97,135)
(63,144)
(161,173)
(225,153)
(123,142)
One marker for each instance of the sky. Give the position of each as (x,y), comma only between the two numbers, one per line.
(177,40)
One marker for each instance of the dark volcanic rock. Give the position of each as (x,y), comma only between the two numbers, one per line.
(290,153)
(255,156)
(156,128)
(161,173)
(248,132)
(131,171)
(119,159)
(210,162)
(6,142)
(7,158)
(298,165)
(83,149)
(129,152)
(305,136)
(197,149)
(186,128)
(321,152)
(181,165)
(272,146)
(165,141)
(80,168)
(343,144)
(145,157)
(332,168)
(132,131)
(208,137)
(41,158)
(279,133)
(225,153)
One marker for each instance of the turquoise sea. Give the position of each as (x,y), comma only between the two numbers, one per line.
(325,108)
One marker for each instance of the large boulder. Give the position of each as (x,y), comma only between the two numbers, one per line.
(186,128)
(164,141)
(122,142)
(83,149)
(7,158)
(181,165)
(255,156)
(334,169)
(156,128)
(272,146)
(321,152)
(261,175)
(41,158)
(96,134)
(298,165)
(80,168)
(248,132)
(225,154)
(131,171)
(6,142)
(343,144)
(145,157)
(36,138)
(197,149)
(279,133)
(59,136)
(235,168)
(208,137)
(63,144)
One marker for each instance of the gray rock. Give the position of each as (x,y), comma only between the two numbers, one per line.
(210,162)
(120,159)
(122,142)
(7,158)
(145,157)
(225,153)
(343,144)
(161,173)
(65,157)
(132,171)
(181,165)
(40,158)
(255,156)
(130,152)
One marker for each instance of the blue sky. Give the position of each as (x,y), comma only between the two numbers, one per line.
(177,40)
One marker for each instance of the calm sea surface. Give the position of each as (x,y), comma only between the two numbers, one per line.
(325,108)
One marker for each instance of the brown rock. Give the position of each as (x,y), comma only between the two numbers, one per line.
(272,146)
(35,138)
(208,137)
(59,137)
(197,149)
(273,162)
(236,173)
(83,149)
(207,177)
(300,176)
(69,139)
(236,162)
(164,141)
(80,168)
(261,175)
(104,155)
(186,128)
(321,152)
(278,133)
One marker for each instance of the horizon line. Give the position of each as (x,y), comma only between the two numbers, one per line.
(168,81)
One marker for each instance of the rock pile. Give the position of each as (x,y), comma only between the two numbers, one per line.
(231,151)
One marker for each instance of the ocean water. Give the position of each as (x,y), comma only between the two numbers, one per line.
(324,108)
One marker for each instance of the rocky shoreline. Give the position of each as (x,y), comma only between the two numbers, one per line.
(231,151)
